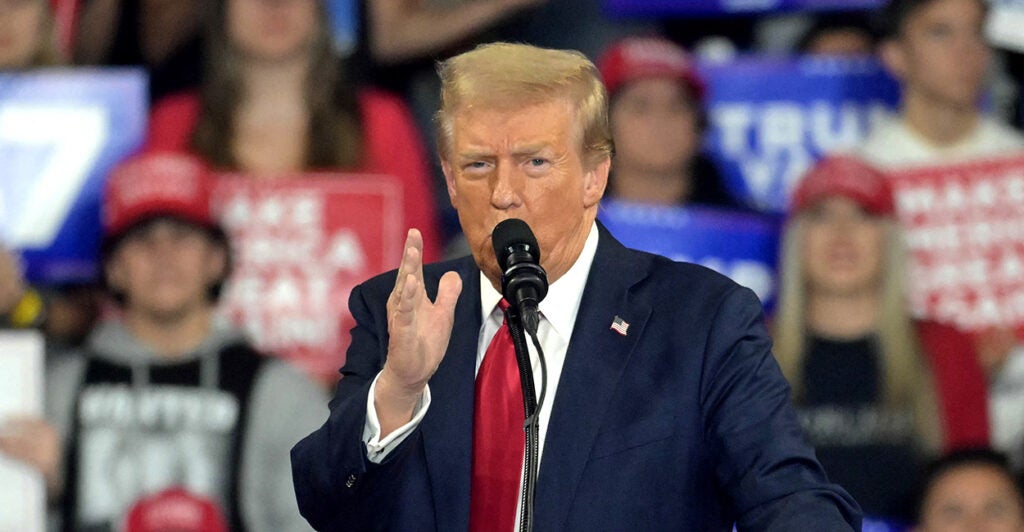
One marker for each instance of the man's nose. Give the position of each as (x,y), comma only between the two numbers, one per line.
(505,191)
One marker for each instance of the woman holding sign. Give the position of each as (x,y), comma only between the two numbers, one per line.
(276,102)
(877,392)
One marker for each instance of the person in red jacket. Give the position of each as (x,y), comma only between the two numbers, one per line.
(275,101)
(877,392)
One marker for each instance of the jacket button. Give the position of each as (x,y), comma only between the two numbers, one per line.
(351,481)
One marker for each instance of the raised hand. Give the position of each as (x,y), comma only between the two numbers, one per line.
(419,331)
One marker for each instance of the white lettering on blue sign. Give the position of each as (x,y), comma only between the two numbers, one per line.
(65,142)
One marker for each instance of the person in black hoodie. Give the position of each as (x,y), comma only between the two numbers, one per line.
(165,399)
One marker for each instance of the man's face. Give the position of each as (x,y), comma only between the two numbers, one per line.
(524,163)
(941,55)
(165,269)
(975,498)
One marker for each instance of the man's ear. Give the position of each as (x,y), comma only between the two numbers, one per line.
(893,54)
(595,181)
(449,181)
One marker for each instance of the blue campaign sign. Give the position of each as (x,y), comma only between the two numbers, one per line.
(743,246)
(61,131)
(771,118)
(660,8)
(344,22)
(872,524)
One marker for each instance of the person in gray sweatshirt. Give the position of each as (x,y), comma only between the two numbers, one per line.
(166,407)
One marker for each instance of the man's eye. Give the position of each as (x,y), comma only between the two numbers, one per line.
(476,166)
(536,161)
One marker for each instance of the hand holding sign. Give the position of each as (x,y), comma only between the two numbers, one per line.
(35,442)
(419,331)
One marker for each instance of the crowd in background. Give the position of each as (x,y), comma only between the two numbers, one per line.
(259,87)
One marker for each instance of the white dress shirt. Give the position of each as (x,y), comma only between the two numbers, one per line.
(558,316)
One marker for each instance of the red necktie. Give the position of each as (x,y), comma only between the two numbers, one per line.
(498,437)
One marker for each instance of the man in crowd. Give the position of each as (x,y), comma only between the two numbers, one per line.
(167,408)
(936,49)
(665,408)
(971,490)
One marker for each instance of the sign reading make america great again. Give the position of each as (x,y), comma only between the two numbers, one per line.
(300,245)
(658,8)
(772,118)
(964,226)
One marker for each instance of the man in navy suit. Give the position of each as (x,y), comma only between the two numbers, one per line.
(677,418)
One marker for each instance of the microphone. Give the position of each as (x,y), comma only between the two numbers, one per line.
(524,283)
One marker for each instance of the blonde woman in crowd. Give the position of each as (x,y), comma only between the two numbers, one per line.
(877,392)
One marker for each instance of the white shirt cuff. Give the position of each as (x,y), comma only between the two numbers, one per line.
(377,449)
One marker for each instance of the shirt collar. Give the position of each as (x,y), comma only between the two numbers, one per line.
(563,300)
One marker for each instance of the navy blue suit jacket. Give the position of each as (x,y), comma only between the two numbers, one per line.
(684,423)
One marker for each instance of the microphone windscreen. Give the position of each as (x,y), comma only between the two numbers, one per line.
(510,233)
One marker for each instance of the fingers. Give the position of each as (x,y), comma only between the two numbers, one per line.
(411,263)
(33,441)
(29,425)
(448,292)
(414,249)
(24,445)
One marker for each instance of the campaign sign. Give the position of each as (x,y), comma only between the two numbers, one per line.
(660,8)
(61,131)
(872,524)
(300,245)
(742,246)
(343,16)
(772,118)
(964,227)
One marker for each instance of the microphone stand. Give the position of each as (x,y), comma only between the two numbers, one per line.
(531,426)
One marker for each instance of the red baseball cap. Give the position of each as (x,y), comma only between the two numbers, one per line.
(175,510)
(636,58)
(157,184)
(848,177)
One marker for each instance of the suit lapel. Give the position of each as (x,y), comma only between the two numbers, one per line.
(448,426)
(595,360)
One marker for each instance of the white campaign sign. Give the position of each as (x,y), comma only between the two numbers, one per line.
(22,492)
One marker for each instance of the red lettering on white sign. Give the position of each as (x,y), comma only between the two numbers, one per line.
(965,229)
(300,246)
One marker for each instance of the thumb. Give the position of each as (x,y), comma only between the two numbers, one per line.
(448,291)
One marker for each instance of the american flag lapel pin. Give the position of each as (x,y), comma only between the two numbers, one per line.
(620,326)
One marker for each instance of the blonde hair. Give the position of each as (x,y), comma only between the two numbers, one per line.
(506,76)
(906,377)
